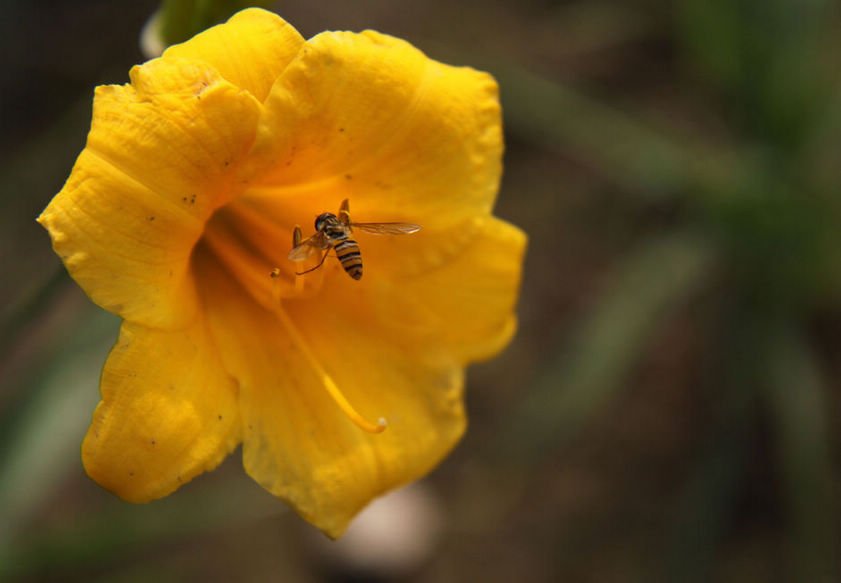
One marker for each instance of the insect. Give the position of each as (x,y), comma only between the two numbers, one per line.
(334,232)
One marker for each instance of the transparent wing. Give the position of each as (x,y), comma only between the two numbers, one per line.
(386,228)
(307,247)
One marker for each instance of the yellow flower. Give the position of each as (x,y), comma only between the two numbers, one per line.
(184,200)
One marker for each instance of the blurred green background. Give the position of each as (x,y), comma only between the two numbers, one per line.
(669,409)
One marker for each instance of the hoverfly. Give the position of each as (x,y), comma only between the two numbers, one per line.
(334,232)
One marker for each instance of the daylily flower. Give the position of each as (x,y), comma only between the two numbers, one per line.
(184,200)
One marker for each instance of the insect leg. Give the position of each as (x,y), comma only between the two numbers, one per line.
(320,263)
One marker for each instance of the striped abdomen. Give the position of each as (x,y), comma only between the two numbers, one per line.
(348,253)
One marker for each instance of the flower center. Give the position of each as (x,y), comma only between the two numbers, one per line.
(253,248)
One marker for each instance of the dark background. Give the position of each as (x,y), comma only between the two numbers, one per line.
(669,409)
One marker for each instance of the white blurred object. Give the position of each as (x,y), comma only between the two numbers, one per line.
(151,43)
(394,535)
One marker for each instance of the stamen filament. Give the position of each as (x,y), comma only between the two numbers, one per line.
(299,284)
(333,390)
(276,286)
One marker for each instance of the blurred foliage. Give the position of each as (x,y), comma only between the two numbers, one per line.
(182,19)
(669,410)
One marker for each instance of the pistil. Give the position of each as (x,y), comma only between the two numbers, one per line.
(326,380)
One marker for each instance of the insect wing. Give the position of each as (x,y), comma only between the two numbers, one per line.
(307,247)
(386,228)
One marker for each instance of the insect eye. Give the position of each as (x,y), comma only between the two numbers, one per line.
(324,219)
(321,219)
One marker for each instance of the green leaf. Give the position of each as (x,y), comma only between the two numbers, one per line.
(796,393)
(587,372)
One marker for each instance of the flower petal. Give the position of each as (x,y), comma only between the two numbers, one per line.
(159,160)
(168,412)
(369,117)
(250,50)
(453,291)
(298,443)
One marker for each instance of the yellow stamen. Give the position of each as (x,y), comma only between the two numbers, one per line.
(297,237)
(331,387)
(299,284)
(276,286)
